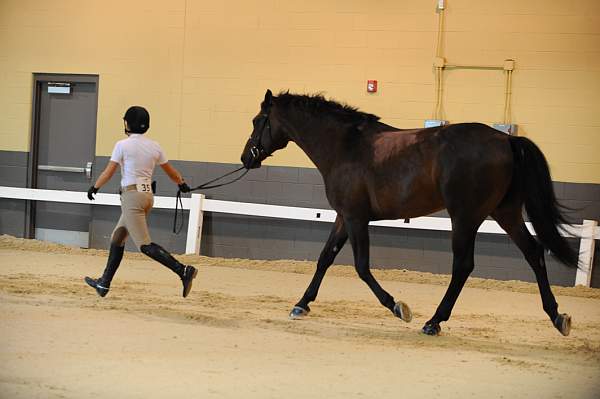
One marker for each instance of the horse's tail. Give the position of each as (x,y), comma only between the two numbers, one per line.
(544,211)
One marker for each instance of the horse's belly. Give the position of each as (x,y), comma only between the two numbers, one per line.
(403,204)
(408,211)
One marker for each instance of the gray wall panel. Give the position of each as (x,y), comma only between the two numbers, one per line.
(14,158)
(581,191)
(13,173)
(13,176)
(13,168)
(282,174)
(12,217)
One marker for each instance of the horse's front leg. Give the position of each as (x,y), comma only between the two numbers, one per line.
(358,231)
(335,242)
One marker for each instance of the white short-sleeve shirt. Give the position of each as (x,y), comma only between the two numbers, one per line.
(137,156)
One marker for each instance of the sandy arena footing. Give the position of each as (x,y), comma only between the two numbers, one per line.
(231,337)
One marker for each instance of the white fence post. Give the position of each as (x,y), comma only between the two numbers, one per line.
(194,233)
(586,252)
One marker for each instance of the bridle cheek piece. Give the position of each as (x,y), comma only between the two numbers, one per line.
(257,149)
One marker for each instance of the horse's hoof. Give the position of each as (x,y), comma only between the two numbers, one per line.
(563,323)
(431,329)
(402,311)
(299,313)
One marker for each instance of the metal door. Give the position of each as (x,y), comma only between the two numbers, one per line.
(63,154)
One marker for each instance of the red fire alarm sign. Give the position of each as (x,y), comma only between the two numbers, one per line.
(371,86)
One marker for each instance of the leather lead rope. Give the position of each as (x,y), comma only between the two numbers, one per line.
(205,186)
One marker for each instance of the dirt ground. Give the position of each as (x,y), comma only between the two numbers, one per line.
(231,337)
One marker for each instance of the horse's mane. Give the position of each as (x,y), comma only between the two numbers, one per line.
(319,106)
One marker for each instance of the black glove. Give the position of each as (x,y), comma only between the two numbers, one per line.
(91,191)
(184,188)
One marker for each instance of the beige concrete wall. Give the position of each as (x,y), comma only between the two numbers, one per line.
(201,68)
(138,60)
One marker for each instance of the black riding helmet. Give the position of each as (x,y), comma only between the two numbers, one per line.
(138,119)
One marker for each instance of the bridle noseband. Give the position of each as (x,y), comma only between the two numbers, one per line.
(257,149)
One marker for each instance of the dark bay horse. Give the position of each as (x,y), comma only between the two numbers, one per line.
(373,171)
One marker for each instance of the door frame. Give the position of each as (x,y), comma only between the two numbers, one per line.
(32,159)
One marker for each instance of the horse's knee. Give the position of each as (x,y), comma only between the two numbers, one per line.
(468,268)
(463,269)
(325,260)
(536,260)
(328,255)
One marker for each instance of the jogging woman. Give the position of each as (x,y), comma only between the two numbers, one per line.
(137,156)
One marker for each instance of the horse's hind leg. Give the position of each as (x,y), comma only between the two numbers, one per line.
(335,242)
(359,238)
(511,220)
(463,247)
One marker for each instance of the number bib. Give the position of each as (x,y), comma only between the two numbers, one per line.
(143,184)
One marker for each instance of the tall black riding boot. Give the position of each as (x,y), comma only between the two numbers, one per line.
(159,254)
(102,284)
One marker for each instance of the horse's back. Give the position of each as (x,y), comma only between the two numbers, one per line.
(474,145)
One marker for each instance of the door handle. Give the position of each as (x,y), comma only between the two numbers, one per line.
(71,169)
(88,170)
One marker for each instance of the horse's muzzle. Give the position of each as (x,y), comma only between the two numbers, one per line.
(251,158)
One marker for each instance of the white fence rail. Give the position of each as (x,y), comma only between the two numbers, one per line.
(197,205)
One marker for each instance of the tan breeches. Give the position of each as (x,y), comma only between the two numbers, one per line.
(134,208)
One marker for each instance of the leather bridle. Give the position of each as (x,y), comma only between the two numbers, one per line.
(257,150)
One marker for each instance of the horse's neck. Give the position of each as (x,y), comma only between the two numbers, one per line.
(320,146)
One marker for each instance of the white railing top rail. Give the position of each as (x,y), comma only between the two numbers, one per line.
(254,209)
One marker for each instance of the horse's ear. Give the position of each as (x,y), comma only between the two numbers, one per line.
(268,97)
